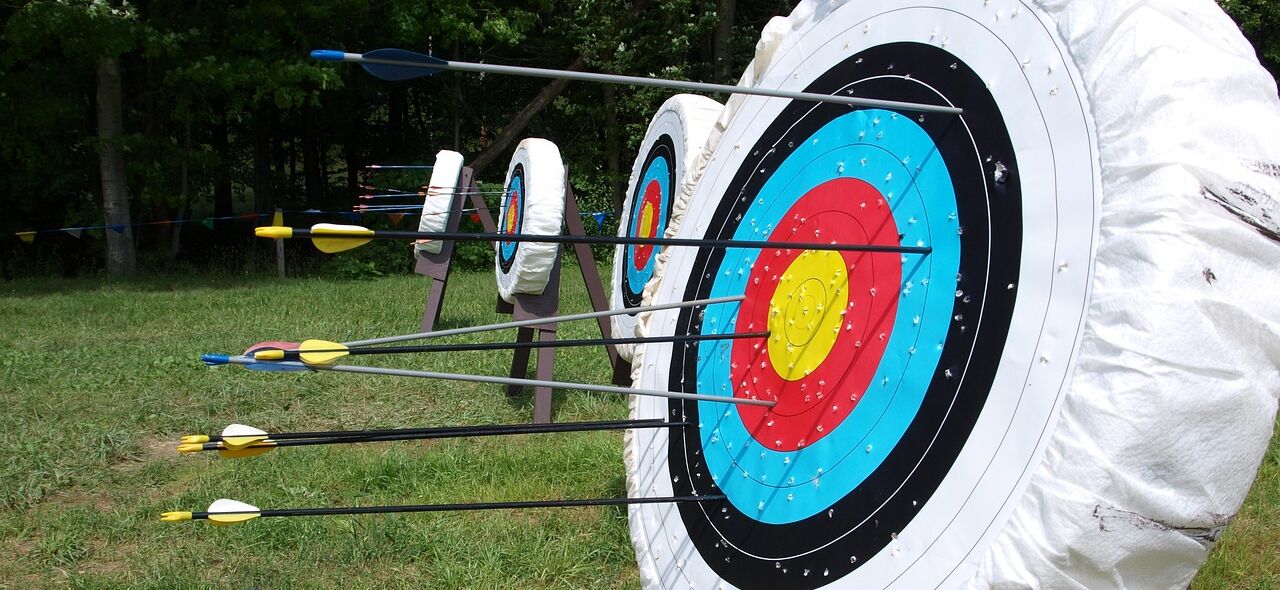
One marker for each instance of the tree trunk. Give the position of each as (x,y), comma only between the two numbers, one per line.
(175,244)
(311,160)
(617,184)
(725,10)
(396,108)
(222,206)
(517,124)
(121,257)
(263,201)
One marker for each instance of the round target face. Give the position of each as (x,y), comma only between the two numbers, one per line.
(512,216)
(908,406)
(532,204)
(664,166)
(650,209)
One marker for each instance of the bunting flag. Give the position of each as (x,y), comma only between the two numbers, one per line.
(73,231)
(207,223)
(599,217)
(118,228)
(26,236)
(396,218)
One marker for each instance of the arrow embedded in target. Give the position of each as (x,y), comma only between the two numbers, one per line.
(317,352)
(227,512)
(399,64)
(238,440)
(332,238)
(223,359)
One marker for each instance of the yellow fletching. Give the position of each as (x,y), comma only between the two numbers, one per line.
(331,238)
(190,447)
(272,354)
(259,449)
(321,352)
(195,438)
(236,442)
(273,232)
(176,516)
(229,519)
(338,244)
(224,512)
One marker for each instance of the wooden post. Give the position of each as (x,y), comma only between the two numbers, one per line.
(437,267)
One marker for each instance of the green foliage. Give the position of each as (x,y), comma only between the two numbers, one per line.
(1260,21)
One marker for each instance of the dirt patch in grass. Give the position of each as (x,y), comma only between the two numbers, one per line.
(151,449)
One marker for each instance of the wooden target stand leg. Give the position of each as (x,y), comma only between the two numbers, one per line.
(547,304)
(438,266)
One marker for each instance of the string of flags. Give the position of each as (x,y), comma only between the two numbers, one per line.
(396,218)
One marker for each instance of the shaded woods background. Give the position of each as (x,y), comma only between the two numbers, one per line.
(161,110)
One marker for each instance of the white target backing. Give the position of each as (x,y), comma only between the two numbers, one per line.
(532,204)
(439,202)
(666,167)
(909,425)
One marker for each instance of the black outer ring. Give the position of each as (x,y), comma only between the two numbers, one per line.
(820,549)
(504,262)
(663,146)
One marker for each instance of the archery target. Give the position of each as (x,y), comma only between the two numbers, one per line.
(439,201)
(665,163)
(532,204)
(912,390)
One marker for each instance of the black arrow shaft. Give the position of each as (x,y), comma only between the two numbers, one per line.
(474,506)
(608,240)
(293,354)
(483,430)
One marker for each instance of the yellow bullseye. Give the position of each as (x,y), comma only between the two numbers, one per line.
(646,220)
(805,313)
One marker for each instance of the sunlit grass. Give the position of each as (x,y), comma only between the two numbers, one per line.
(98,382)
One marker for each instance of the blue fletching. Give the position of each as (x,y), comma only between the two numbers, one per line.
(216,360)
(427,65)
(275,367)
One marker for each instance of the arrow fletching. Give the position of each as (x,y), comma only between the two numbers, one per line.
(237,436)
(226,512)
(423,65)
(332,238)
(321,352)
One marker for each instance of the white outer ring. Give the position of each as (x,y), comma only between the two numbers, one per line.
(437,205)
(543,215)
(688,120)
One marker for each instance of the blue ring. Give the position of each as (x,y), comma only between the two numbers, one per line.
(780,487)
(659,171)
(508,249)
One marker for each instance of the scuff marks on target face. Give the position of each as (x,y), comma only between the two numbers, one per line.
(876,400)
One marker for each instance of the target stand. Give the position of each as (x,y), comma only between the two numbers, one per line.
(526,306)
(437,266)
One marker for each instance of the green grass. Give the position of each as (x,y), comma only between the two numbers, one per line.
(98,381)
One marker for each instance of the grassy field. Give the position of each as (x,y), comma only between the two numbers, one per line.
(98,382)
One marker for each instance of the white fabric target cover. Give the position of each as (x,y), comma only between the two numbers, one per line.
(439,200)
(541,212)
(1172,398)
(687,119)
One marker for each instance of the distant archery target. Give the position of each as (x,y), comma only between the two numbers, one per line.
(532,204)
(439,202)
(665,163)
(904,382)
